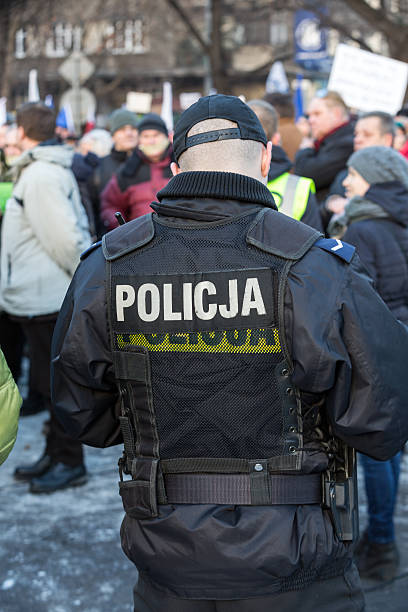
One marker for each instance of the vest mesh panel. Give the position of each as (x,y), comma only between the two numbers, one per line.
(210,404)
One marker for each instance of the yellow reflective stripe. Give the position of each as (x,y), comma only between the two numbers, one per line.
(303,187)
(301,197)
(262,340)
(312,185)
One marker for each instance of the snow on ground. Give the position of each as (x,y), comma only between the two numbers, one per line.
(61,552)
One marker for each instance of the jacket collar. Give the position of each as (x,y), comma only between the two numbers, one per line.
(319,142)
(119,156)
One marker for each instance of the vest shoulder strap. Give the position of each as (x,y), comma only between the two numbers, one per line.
(281,235)
(128,237)
(344,250)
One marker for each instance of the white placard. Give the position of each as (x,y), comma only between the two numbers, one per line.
(3,111)
(277,80)
(367,81)
(33,91)
(139,102)
(167,106)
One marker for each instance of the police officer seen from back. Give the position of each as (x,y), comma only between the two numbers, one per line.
(240,358)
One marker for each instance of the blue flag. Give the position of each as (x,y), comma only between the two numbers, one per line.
(298,97)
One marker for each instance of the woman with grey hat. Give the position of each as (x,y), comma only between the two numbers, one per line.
(375,221)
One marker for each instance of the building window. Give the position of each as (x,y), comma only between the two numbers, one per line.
(257,33)
(278,33)
(20,50)
(126,37)
(64,39)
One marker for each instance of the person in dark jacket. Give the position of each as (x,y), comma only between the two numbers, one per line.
(375,221)
(93,147)
(123,127)
(131,190)
(83,166)
(293,195)
(235,352)
(324,156)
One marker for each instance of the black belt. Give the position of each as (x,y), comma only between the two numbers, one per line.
(244,489)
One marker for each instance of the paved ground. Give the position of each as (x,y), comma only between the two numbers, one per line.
(53,558)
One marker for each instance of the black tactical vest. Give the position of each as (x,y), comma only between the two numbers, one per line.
(209,413)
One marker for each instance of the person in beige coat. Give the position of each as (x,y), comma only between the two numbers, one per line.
(44,231)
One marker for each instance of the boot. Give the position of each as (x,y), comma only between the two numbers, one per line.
(59,476)
(377,561)
(33,470)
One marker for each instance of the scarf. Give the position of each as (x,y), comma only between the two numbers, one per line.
(357,209)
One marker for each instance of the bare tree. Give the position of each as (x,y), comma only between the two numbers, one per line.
(8,29)
(392,24)
(212,41)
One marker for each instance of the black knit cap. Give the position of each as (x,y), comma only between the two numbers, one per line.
(151,121)
(217,106)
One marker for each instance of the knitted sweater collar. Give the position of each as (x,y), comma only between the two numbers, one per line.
(217,185)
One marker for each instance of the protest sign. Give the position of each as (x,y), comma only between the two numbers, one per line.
(368,81)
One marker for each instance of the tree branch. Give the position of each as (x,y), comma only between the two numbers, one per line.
(377,18)
(328,22)
(186,19)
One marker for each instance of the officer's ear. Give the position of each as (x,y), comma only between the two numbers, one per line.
(175,169)
(266,159)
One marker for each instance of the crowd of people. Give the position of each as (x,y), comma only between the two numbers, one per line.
(344,174)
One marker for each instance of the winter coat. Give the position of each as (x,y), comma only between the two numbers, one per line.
(10,403)
(134,187)
(323,162)
(382,245)
(280,164)
(349,362)
(44,231)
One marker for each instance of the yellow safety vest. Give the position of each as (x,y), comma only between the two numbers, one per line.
(292,193)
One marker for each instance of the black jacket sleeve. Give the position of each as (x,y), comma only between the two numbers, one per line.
(347,345)
(324,164)
(316,166)
(83,386)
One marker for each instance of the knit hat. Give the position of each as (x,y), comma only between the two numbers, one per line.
(121,117)
(380,165)
(151,121)
(221,107)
